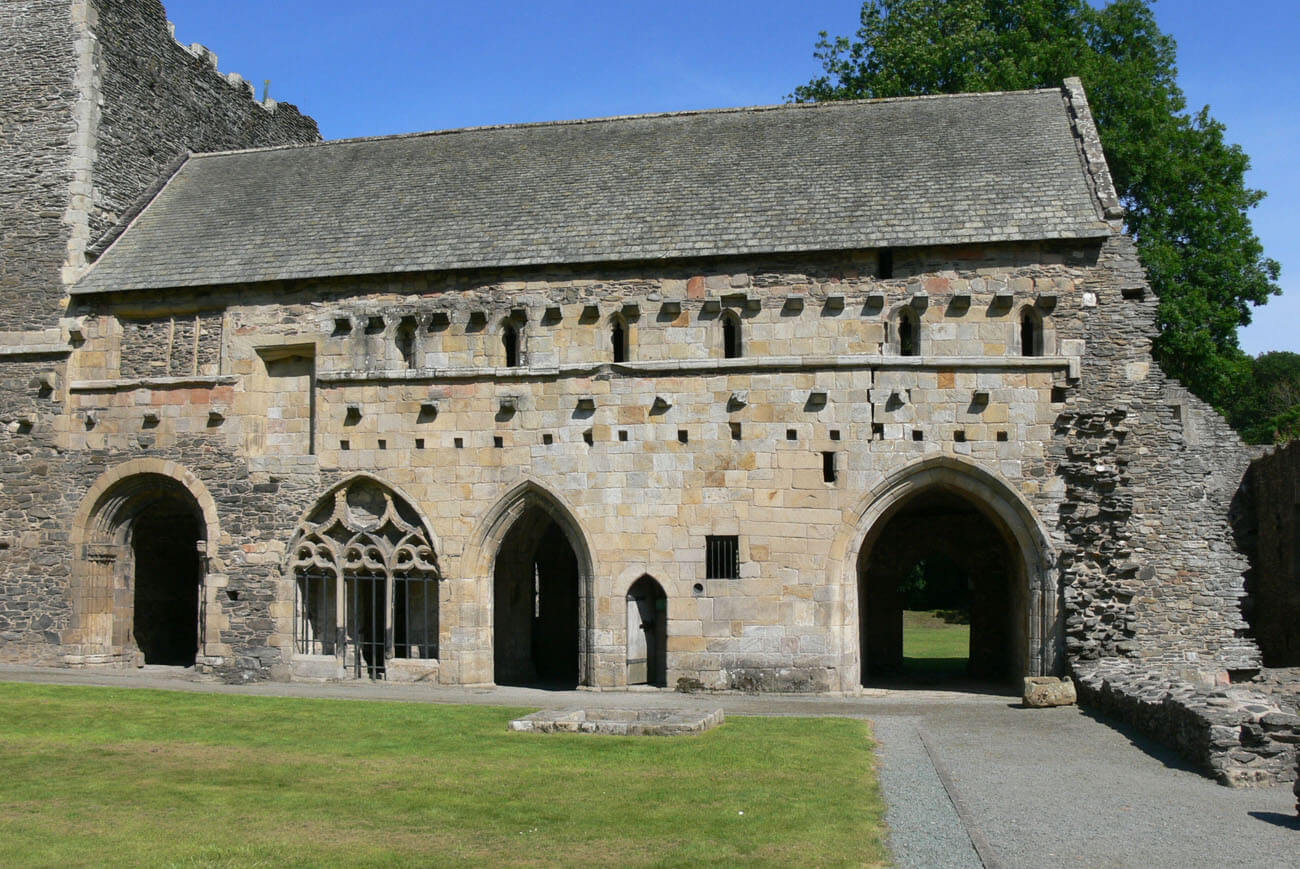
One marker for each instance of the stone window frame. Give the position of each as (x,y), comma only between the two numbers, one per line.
(1038,323)
(620,338)
(732,334)
(507,326)
(902,312)
(335,542)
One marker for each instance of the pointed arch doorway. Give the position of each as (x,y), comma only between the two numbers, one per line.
(997,561)
(647,633)
(541,578)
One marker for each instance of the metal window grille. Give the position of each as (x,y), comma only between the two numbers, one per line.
(722,557)
(415,617)
(314,614)
(363,616)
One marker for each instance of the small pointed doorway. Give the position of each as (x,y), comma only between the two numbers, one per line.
(647,633)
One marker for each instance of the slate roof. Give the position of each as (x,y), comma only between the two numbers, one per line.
(915,171)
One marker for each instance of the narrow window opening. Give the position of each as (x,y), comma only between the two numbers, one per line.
(828,466)
(1058,394)
(721,557)
(908,339)
(878,430)
(374,325)
(682,437)
(459,443)
(735,430)
(618,339)
(498,442)
(510,343)
(731,335)
(383,444)
(342,326)
(885,263)
(917,435)
(1031,333)
(405,341)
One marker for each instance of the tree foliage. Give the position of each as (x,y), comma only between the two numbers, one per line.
(1268,409)
(1182,184)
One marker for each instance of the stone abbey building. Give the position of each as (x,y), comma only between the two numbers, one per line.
(669,399)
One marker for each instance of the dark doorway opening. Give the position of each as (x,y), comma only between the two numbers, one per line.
(647,633)
(167,578)
(935,571)
(535,609)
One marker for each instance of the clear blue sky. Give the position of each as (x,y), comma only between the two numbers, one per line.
(384,66)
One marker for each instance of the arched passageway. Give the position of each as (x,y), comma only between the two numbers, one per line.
(536,592)
(976,573)
(164,543)
(139,576)
(647,633)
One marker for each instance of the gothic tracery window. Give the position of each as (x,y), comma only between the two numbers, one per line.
(366,578)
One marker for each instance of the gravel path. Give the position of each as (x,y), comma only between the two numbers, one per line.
(969,778)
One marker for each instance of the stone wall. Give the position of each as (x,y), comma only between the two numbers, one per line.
(37,93)
(1151,471)
(101,99)
(1270,527)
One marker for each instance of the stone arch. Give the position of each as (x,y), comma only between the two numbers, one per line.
(364,566)
(110,602)
(1008,511)
(733,336)
(620,338)
(530,510)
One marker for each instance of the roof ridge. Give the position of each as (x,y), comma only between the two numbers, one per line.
(830,105)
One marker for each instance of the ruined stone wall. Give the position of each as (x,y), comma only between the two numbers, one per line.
(1153,570)
(37,95)
(98,100)
(1271,495)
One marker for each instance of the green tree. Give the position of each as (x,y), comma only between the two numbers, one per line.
(1182,184)
(1268,409)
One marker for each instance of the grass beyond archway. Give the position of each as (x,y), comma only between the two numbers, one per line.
(99,776)
(936,644)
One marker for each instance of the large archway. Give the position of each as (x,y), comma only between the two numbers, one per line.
(141,543)
(541,590)
(953,513)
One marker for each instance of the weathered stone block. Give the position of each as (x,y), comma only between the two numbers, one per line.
(1044,691)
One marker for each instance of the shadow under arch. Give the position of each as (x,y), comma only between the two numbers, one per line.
(140,542)
(1034,589)
(531,548)
(364,564)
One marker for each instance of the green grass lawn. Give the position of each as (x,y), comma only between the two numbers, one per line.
(96,776)
(934,648)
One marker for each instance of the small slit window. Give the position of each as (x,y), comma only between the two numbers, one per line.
(618,338)
(404,338)
(909,333)
(1031,333)
(731,348)
(510,344)
(722,557)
